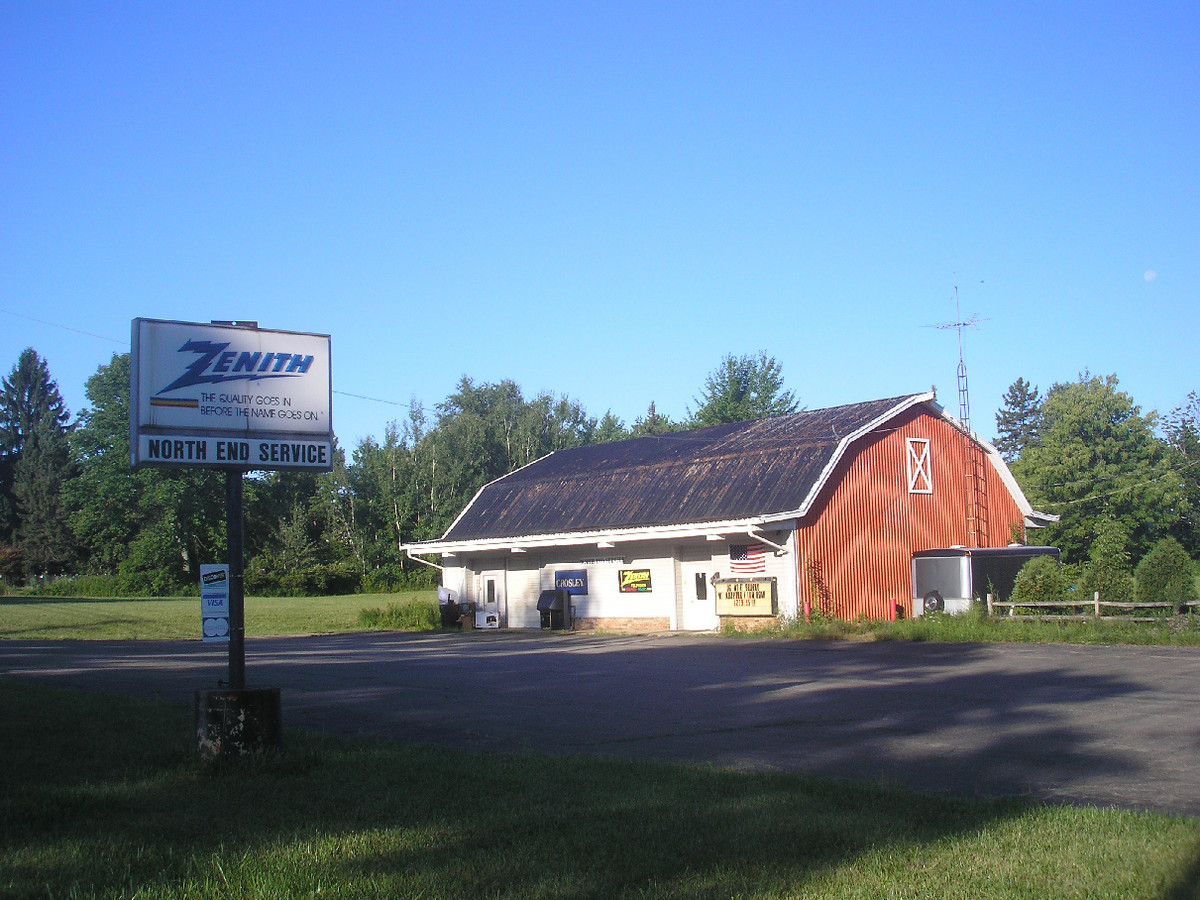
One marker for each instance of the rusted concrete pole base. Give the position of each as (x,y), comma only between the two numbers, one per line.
(238,724)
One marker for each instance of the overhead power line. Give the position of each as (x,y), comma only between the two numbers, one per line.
(102,337)
(125,343)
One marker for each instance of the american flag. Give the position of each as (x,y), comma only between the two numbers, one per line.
(747,559)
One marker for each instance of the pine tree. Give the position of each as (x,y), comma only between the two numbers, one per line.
(43,533)
(28,396)
(1019,422)
(653,423)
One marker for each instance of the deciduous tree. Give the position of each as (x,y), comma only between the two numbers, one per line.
(1098,456)
(1181,427)
(154,526)
(743,388)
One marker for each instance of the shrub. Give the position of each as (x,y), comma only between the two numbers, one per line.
(415,615)
(151,582)
(10,565)
(1108,569)
(383,580)
(265,577)
(87,586)
(1166,575)
(1040,580)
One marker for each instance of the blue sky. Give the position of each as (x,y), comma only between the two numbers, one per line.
(603,199)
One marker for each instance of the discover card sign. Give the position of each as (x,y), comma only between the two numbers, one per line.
(229,396)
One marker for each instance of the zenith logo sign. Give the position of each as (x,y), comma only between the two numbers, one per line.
(218,364)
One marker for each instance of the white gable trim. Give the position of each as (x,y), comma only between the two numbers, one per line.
(845,443)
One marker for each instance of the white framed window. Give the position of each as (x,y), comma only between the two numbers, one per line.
(919,480)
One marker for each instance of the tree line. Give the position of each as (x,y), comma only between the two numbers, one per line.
(1120,481)
(1125,485)
(71,505)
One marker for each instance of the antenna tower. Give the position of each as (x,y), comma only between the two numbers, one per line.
(976,464)
(964,398)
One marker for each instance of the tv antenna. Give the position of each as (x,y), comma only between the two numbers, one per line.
(976,494)
(964,400)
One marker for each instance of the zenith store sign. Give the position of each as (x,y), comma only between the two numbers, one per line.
(229,395)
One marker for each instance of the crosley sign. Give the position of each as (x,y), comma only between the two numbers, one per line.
(231,396)
(573,581)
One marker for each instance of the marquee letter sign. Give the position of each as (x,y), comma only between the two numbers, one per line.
(745,596)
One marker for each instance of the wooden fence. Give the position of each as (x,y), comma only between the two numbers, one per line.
(1084,609)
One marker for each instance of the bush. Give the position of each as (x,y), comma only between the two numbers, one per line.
(393,578)
(1166,575)
(1041,580)
(1108,570)
(266,578)
(319,581)
(151,582)
(415,615)
(383,580)
(11,565)
(85,586)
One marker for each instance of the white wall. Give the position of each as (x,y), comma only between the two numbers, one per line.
(528,574)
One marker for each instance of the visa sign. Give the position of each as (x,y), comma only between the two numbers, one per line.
(573,581)
(214,602)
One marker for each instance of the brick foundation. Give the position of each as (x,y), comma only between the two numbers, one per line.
(621,623)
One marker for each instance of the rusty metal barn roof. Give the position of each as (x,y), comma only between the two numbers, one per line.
(722,473)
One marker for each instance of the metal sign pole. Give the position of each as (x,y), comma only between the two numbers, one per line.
(235,540)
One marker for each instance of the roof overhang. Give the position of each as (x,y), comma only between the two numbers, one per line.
(610,538)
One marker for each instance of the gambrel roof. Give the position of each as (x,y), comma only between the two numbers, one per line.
(726,477)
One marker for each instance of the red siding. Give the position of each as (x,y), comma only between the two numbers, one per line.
(856,545)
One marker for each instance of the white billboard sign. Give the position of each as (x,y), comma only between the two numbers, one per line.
(231,396)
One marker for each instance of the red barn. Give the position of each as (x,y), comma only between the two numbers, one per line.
(820,510)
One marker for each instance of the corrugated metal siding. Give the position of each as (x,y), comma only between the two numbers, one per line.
(855,546)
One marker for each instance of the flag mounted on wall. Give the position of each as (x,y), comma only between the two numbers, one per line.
(747,559)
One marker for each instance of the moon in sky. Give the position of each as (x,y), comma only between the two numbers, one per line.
(1150,275)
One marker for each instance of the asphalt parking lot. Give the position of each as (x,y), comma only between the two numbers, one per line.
(1107,726)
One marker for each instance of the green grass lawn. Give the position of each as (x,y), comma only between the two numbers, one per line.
(179,618)
(976,627)
(103,796)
